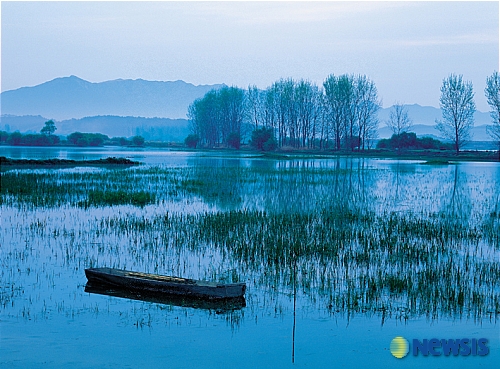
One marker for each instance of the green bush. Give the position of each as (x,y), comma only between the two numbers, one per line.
(410,141)
(191,141)
(138,141)
(263,139)
(234,140)
(87,139)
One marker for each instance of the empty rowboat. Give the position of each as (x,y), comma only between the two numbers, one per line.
(136,281)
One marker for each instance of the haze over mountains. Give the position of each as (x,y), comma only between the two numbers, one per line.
(154,109)
(74,98)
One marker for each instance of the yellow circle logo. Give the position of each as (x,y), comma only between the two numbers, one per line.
(399,347)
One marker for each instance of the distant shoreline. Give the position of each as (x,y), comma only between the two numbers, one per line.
(420,155)
(438,156)
(427,156)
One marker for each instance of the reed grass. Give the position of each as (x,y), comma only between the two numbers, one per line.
(351,238)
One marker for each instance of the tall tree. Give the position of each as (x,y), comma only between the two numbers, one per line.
(254,106)
(352,103)
(218,117)
(307,105)
(399,120)
(336,100)
(232,110)
(269,109)
(368,105)
(492,92)
(49,128)
(203,115)
(349,101)
(323,126)
(458,107)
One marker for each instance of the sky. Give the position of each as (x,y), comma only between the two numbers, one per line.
(406,48)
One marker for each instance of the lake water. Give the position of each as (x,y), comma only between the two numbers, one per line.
(48,320)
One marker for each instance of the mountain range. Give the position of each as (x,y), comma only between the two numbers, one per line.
(74,98)
(154,109)
(152,129)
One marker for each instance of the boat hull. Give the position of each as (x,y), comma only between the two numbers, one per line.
(135,281)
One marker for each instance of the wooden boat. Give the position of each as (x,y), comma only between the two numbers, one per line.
(136,281)
(219,305)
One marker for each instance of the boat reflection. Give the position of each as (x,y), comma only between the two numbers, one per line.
(219,305)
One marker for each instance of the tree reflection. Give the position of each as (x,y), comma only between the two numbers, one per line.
(284,186)
(458,207)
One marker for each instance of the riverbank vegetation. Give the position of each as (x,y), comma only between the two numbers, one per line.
(410,141)
(340,115)
(298,113)
(79,139)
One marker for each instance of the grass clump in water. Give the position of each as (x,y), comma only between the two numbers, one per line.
(98,198)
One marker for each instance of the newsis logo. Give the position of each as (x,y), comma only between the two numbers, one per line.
(400,347)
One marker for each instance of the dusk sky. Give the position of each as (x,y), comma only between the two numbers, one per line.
(406,48)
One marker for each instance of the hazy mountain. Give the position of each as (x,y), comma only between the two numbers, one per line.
(427,115)
(152,129)
(424,122)
(25,123)
(73,97)
(130,107)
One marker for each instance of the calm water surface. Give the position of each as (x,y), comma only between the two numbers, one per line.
(48,320)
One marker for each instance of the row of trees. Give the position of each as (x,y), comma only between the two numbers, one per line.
(48,138)
(45,138)
(18,139)
(300,114)
(218,117)
(341,114)
(458,108)
(76,139)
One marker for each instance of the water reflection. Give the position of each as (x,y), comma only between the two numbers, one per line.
(220,306)
(458,206)
(290,186)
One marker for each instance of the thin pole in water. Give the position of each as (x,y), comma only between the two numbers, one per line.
(294,306)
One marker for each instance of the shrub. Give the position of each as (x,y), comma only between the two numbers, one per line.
(409,140)
(191,141)
(234,140)
(263,139)
(138,141)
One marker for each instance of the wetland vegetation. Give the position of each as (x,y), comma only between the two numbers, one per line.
(351,237)
(352,247)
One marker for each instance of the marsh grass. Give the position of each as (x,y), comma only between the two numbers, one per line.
(350,238)
(98,198)
(355,262)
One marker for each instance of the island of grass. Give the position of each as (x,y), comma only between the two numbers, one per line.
(4,161)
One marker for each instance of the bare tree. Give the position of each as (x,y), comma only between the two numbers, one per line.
(368,106)
(333,114)
(492,92)
(352,104)
(307,105)
(399,120)
(254,106)
(339,103)
(458,107)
